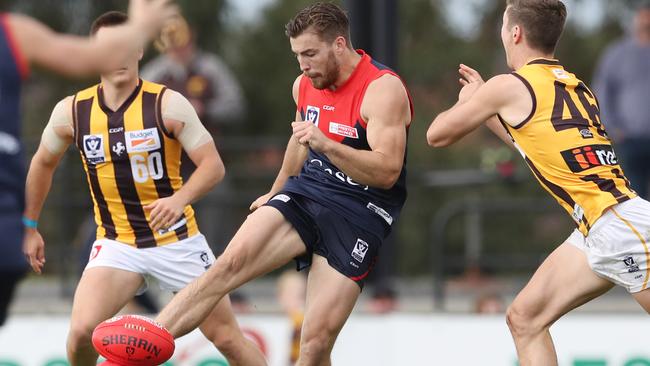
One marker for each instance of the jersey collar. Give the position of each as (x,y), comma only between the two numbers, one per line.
(125,104)
(543,61)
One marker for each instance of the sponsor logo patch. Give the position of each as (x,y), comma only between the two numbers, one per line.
(94,149)
(312,115)
(178,224)
(578,213)
(560,73)
(585,157)
(281,197)
(94,252)
(360,250)
(343,130)
(586,134)
(381,212)
(142,140)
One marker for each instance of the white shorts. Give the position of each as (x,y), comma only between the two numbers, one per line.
(172,265)
(618,245)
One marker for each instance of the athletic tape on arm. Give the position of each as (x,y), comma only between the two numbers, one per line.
(176,107)
(61,118)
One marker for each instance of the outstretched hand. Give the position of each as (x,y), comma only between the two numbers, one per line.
(151,15)
(34,249)
(471,80)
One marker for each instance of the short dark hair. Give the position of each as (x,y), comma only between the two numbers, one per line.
(325,19)
(543,21)
(108,19)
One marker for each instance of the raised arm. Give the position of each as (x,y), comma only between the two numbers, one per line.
(181,120)
(479,103)
(58,134)
(78,56)
(386,109)
(294,158)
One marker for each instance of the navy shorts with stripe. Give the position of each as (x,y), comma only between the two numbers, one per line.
(348,248)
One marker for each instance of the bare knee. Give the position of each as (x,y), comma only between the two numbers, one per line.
(316,347)
(225,341)
(79,336)
(524,321)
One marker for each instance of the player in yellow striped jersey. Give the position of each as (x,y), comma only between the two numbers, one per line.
(553,119)
(130,133)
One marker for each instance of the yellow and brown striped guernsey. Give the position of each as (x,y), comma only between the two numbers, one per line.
(130,161)
(565,144)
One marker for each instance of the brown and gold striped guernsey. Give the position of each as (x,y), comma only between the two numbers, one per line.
(130,160)
(565,144)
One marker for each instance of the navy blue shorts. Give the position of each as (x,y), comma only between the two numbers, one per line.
(348,248)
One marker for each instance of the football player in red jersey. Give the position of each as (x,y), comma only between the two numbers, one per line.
(339,191)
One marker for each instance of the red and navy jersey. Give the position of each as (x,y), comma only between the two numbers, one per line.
(338,115)
(13,69)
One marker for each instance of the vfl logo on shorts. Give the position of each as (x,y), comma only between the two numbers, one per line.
(205,258)
(94,149)
(631,265)
(312,114)
(360,250)
(586,157)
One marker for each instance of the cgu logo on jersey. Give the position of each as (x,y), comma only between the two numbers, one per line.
(585,157)
(142,140)
(312,114)
(94,149)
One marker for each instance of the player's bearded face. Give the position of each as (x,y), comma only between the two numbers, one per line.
(329,74)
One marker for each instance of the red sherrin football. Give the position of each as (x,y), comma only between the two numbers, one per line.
(133,340)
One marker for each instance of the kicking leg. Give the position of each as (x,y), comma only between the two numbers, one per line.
(563,282)
(330,299)
(221,328)
(101,293)
(264,242)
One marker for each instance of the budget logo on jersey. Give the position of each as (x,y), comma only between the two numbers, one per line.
(94,149)
(585,157)
(360,250)
(312,115)
(343,130)
(142,140)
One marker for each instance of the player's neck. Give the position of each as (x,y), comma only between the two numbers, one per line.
(350,62)
(115,94)
(526,55)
